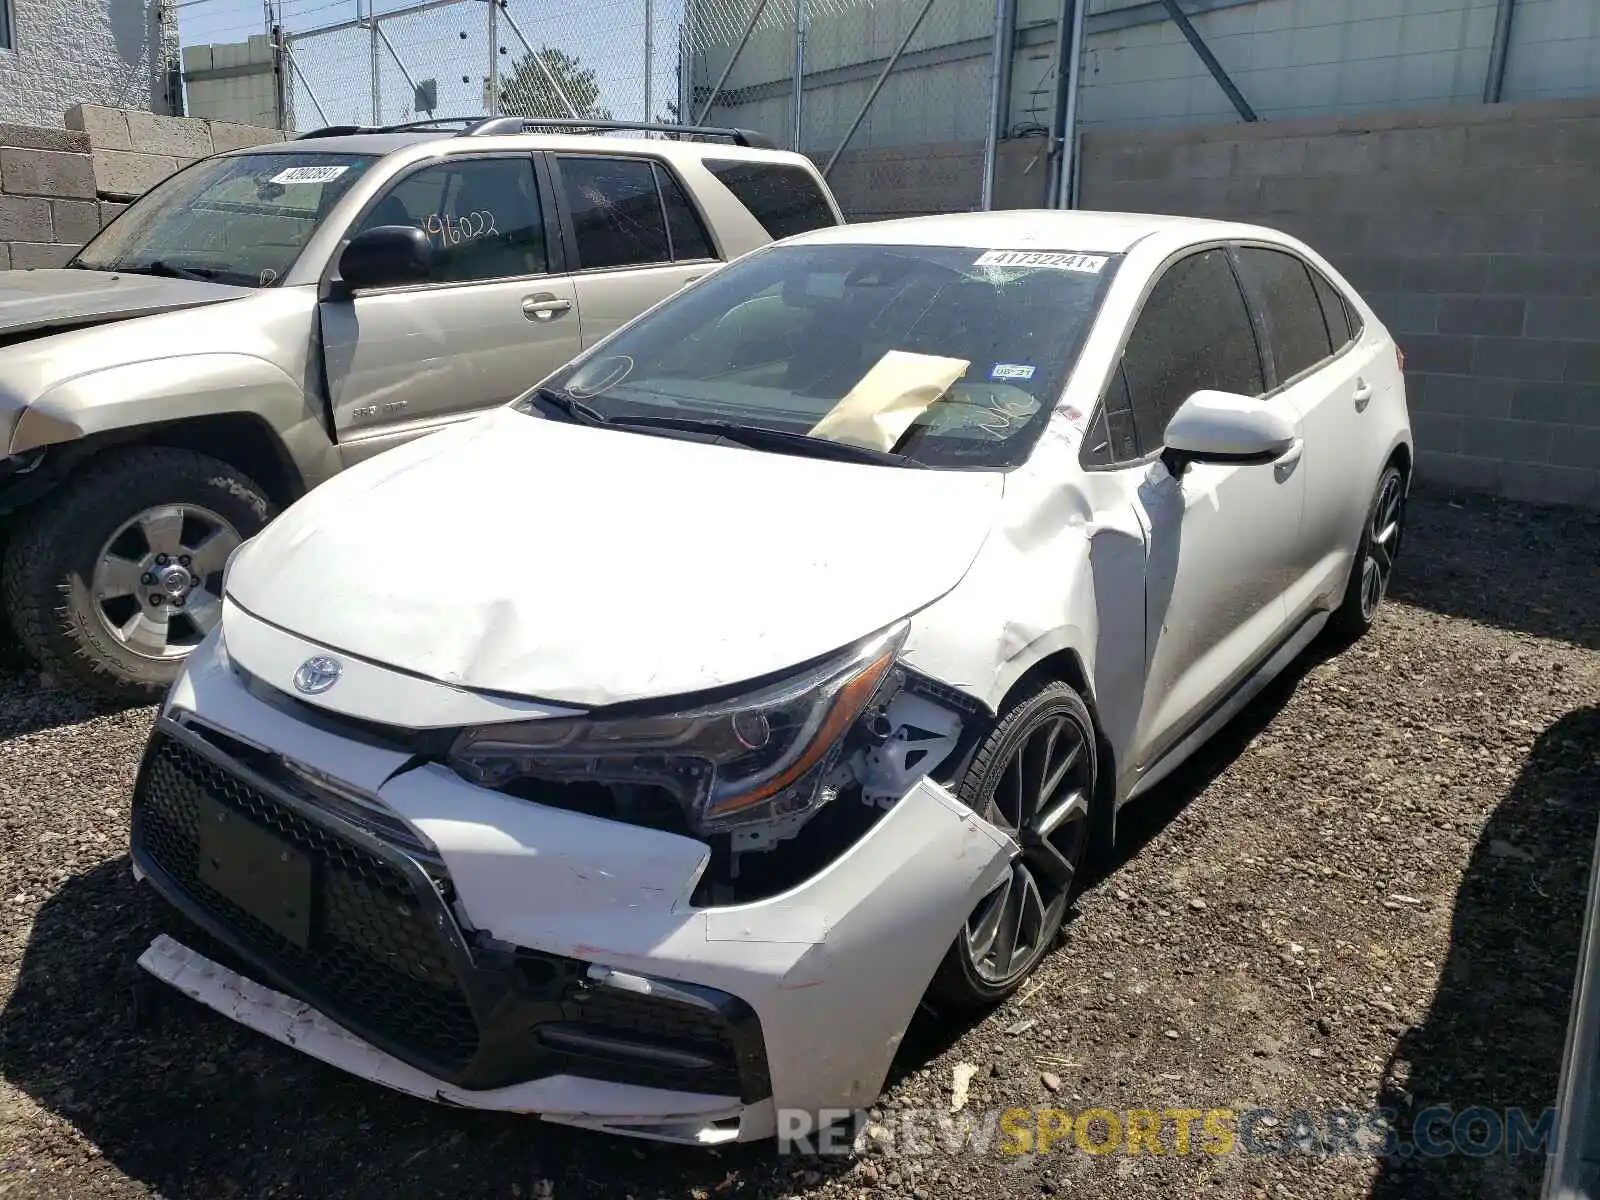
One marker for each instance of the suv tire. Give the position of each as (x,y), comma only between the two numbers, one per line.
(108,508)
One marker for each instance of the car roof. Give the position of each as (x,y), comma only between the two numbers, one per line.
(1024,229)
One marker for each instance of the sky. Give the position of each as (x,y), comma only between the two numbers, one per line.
(446,44)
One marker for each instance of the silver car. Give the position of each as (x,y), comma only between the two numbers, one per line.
(269,316)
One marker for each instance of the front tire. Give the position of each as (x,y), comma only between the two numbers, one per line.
(1376,556)
(1034,776)
(111,581)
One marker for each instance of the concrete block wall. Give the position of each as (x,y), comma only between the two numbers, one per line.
(133,151)
(1474,232)
(233,81)
(910,181)
(58,187)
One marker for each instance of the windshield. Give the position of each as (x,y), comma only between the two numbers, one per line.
(240,219)
(949,356)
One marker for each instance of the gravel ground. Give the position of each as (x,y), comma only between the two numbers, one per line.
(1369,892)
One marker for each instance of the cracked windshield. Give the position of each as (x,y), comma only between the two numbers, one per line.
(240,219)
(947,356)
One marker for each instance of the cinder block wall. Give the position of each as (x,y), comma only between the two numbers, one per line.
(1474,232)
(913,181)
(59,186)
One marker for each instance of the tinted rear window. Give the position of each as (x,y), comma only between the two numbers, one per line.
(784,198)
(1334,311)
(1281,285)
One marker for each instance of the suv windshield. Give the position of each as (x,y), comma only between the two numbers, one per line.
(240,219)
(949,356)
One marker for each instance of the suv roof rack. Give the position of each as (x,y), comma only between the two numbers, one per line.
(499,126)
(494,126)
(404,127)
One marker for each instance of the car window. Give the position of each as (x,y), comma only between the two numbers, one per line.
(784,198)
(1280,283)
(780,337)
(1194,334)
(616,212)
(1112,437)
(689,240)
(482,216)
(1335,312)
(238,218)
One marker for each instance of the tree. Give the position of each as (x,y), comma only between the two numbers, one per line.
(542,82)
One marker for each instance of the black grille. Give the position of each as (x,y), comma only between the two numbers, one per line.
(384,958)
(371,952)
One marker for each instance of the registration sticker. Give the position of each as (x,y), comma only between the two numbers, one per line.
(1086,264)
(308,175)
(1011,371)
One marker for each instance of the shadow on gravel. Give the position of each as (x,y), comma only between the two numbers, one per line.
(27,706)
(1515,566)
(1494,1035)
(196,1108)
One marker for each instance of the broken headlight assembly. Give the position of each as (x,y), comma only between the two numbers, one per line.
(760,758)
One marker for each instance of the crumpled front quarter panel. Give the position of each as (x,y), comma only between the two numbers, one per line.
(1063,569)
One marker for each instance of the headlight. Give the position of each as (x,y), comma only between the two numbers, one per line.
(754,758)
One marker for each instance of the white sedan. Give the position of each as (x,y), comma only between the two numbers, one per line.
(642,754)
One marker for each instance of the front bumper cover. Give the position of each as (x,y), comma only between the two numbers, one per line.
(812,989)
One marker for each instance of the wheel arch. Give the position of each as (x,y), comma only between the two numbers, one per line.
(1066,665)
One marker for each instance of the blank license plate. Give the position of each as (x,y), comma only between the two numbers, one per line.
(263,875)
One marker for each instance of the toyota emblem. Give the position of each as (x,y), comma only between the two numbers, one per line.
(317,675)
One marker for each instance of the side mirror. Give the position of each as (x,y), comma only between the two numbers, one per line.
(386,256)
(1220,427)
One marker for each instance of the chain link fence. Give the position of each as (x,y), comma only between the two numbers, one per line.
(896,99)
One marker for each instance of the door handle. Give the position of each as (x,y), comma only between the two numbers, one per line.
(1363,395)
(544,307)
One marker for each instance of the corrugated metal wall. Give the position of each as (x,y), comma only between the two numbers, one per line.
(1288,57)
(1294,58)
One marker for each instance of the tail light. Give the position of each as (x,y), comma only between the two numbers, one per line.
(1400,358)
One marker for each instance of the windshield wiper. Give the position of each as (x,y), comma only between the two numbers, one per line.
(569,406)
(759,437)
(173,271)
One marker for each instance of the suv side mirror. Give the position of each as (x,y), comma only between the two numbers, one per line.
(386,256)
(1221,427)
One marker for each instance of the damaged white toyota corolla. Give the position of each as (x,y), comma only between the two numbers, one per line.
(642,754)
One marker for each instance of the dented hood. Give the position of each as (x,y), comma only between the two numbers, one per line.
(48,299)
(592,566)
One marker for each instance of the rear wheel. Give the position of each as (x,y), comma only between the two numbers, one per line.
(114,579)
(1379,550)
(1034,776)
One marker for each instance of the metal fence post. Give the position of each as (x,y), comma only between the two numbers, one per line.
(649,64)
(493,107)
(377,86)
(1005,15)
(799,67)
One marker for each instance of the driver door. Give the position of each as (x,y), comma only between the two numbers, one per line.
(490,321)
(1222,538)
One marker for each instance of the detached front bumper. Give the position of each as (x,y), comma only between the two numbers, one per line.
(480,950)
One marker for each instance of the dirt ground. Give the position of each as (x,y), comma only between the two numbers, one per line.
(1368,893)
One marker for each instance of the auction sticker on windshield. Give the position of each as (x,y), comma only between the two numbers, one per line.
(1088,264)
(308,175)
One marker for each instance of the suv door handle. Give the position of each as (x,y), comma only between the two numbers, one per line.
(544,307)
(1363,395)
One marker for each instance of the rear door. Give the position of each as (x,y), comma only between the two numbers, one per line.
(635,236)
(495,316)
(1320,369)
